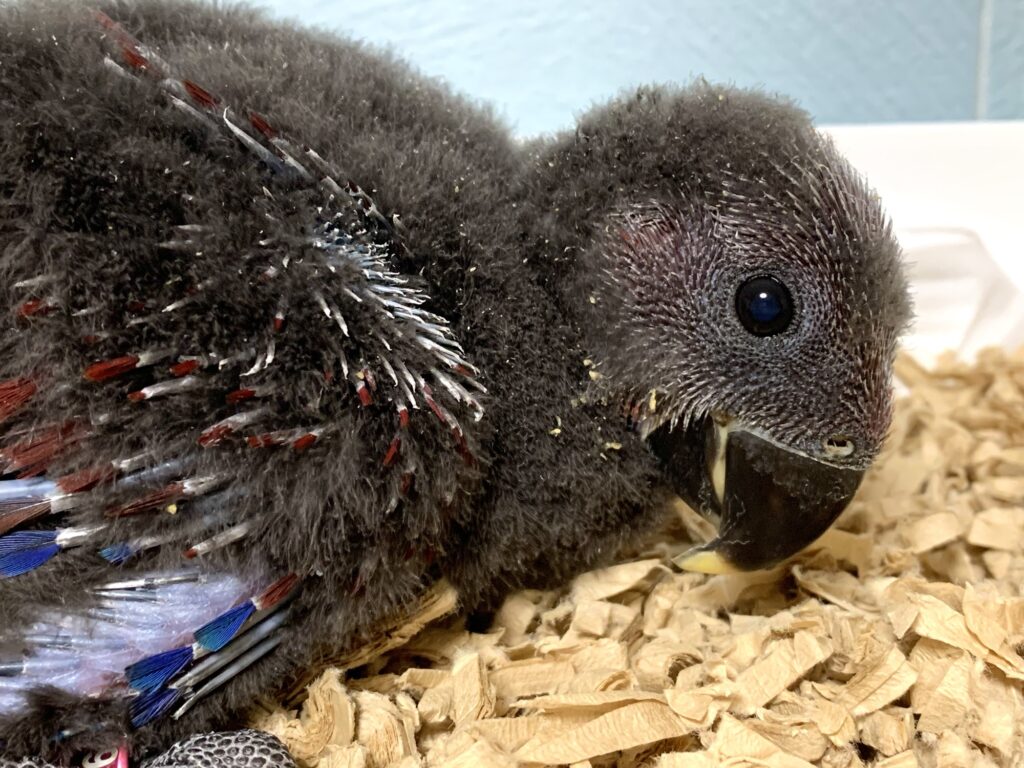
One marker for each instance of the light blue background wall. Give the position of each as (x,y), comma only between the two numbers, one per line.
(543,61)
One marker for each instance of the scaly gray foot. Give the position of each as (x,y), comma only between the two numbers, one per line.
(234,749)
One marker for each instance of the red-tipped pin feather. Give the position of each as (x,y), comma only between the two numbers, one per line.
(215,435)
(276,592)
(33,455)
(160,498)
(262,125)
(304,442)
(225,428)
(266,440)
(185,367)
(246,393)
(14,393)
(392,452)
(35,308)
(299,440)
(201,95)
(105,21)
(434,406)
(86,479)
(163,388)
(365,396)
(16,519)
(463,447)
(133,58)
(370,379)
(109,369)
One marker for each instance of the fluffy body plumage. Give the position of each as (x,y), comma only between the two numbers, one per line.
(221,342)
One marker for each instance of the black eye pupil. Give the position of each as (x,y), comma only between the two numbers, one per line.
(764,306)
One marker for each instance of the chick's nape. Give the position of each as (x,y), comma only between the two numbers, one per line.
(741,296)
(232,432)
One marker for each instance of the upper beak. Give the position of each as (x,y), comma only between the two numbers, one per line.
(772,501)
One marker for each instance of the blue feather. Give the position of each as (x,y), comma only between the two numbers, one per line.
(151,705)
(217,633)
(116,554)
(15,542)
(25,551)
(155,671)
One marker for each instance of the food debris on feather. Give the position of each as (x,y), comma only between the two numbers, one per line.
(893,641)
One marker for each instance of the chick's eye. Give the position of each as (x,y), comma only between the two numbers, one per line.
(764,306)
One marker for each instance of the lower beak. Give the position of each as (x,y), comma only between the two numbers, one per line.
(772,500)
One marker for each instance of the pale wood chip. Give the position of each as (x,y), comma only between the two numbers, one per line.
(999,704)
(786,662)
(595,680)
(437,705)
(462,750)
(737,744)
(531,677)
(352,756)
(609,582)
(624,727)
(936,620)
(794,733)
(472,693)
(889,731)
(837,587)
(658,661)
(380,728)
(946,705)
(686,760)
(701,707)
(877,684)
(853,548)
(931,531)
(903,760)
(510,733)
(998,528)
(597,701)
(328,719)
(599,618)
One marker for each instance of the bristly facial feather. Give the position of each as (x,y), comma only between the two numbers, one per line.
(670,341)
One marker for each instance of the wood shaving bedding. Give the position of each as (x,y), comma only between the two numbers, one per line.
(892,642)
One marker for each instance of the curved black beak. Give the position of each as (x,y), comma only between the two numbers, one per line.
(772,501)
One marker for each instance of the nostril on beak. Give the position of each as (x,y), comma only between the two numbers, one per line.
(838,447)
